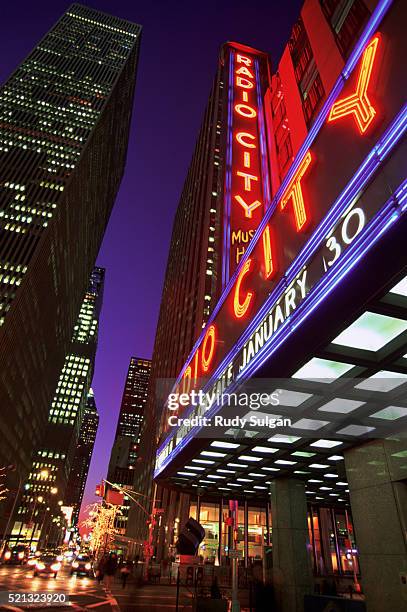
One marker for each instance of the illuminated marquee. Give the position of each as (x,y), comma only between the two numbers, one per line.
(246,173)
(311,226)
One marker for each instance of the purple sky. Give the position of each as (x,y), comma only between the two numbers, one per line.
(177,63)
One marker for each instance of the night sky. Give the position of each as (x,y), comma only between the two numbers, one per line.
(178,60)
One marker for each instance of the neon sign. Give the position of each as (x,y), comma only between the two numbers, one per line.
(358,104)
(285,260)
(244,180)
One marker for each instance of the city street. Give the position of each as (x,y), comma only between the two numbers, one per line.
(84,593)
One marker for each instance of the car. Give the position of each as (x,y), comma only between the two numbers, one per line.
(83,564)
(47,564)
(17,555)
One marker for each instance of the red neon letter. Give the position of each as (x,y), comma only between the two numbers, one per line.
(267,253)
(240,136)
(358,104)
(246,71)
(187,377)
(241,59)
(209,336)
(245,110)
(241,309)
(245,83)
(248,208)
(247,178)
(294,192)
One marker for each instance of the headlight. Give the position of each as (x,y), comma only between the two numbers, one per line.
(31,562)
(40,566)
(7,555)
(37,553)
(88,566)
(75,564)
(21,555)
(56,567)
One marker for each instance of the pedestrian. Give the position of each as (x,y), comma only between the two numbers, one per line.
(125,571)
(100,572)
(110,570)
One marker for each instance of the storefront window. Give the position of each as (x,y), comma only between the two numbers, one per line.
(209,519)
(257,532)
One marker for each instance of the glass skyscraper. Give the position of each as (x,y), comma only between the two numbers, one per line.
(83,455)
(64,124)
(54,461)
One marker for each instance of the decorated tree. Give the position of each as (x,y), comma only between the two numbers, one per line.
(101,525)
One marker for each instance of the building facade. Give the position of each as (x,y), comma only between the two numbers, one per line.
(53,464)
(65,117)
(125,449)
(315,311)
(82,457)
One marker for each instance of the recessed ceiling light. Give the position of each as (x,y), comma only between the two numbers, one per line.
(264,449)
(400,288)
(355,430)
(309,424)
(326,443)
(300,472)
(292,398)
(194,467)
(185,474)
(216,476)
(270,469)
(212,454)
(234,484)
(302,454)
(325,488)
(391,413)
(334,494)
(244,479)
(226,471)
(322,370)
(282,439)
(257,474)
(248,458)
(314,480)
(371,332)
(335,458)
(319,466)
(220,444)
(329,475)
(205,461)
(342,484)
(384,380)
(285,462)
(340,405)
(259,487)
(239,465)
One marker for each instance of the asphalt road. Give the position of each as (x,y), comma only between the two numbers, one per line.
(86,594)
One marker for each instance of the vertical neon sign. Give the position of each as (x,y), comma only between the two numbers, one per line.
(246,180)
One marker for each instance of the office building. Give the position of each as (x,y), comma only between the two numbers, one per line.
(65,118)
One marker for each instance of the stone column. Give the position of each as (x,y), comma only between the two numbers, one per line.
(292,576)
(376,473)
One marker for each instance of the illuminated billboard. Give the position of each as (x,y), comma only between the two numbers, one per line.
(344,190)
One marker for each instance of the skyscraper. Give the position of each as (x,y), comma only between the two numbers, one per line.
(82,458)
(55,456)
(127,439)
(206,233)
(65,117)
